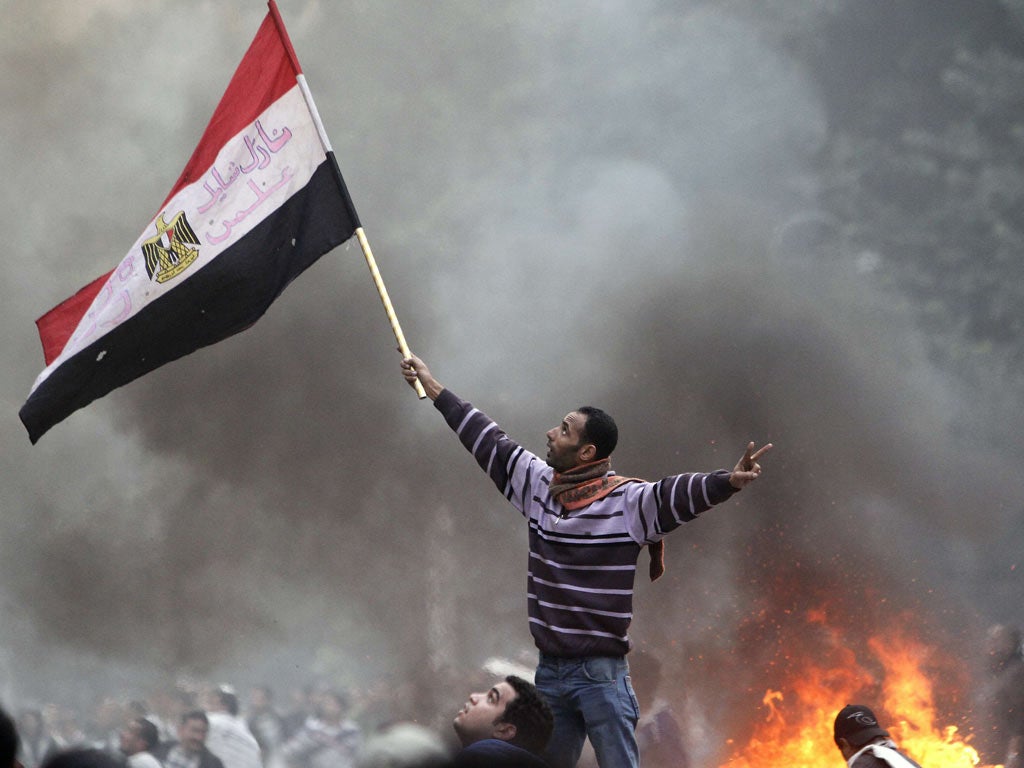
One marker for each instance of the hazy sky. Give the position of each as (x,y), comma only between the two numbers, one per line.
(610,202)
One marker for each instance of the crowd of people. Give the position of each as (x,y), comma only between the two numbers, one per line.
(507,726)
(182,714)
(322,727)
(508,723)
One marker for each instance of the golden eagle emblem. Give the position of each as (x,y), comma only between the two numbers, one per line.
(168,253)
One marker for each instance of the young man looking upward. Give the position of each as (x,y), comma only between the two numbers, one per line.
(509,725)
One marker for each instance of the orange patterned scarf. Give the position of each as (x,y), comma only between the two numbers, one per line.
(581,486)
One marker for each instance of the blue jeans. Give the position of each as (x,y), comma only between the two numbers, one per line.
(593,697)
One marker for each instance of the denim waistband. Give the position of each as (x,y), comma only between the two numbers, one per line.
(547,658)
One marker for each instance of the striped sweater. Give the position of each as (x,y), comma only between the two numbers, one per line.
(582,563)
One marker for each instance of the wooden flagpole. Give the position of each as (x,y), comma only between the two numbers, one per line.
(388,308)
(363,242)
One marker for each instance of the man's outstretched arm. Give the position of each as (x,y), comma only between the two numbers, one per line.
(681,498)
(510,467)
(413,368)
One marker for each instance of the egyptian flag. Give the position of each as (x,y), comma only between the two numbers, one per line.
(259,201)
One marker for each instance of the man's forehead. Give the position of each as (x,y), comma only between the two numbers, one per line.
(575,419)
(505,691)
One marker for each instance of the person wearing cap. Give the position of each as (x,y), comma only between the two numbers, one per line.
(864,743)
(587,527)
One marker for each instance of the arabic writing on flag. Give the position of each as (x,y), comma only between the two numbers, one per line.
(259,201)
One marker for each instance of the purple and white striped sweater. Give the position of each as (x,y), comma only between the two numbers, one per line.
(582,563)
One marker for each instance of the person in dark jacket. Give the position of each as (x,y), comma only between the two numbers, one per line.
(189,751)
(8,741)
(506,727)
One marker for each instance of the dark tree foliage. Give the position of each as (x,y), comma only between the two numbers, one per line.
(924,160)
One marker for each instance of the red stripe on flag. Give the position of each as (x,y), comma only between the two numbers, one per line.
(265,75)
(57,325)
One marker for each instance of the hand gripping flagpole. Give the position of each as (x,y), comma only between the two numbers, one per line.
(360,234)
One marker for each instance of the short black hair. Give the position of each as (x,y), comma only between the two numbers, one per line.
(8,740)
(147,732)
(531,716)
(195,714)
(599,429)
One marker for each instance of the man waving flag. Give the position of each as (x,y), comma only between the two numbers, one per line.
(259,201)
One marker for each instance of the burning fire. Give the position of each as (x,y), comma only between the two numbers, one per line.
(797,728)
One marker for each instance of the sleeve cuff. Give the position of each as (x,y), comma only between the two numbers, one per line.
(721,488)
(445,401)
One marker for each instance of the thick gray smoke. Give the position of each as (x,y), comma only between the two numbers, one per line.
(576,202)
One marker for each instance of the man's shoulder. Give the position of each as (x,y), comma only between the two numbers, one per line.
(209,760)
(495,753)
(883,756)
(142,760)
(161,750)
(868,760)
(228,723)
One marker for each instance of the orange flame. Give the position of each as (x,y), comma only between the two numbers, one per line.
(797,729)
